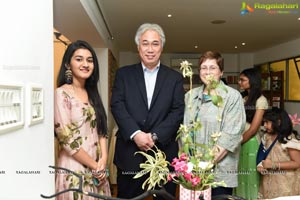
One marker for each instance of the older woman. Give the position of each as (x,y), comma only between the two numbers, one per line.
(231,125)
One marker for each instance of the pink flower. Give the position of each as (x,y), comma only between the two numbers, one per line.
(294,119)
(171,176)
(175,160)
(184,157)
(188,176)
(180,166)
(195,181)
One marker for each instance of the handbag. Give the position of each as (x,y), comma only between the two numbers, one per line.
(262,152)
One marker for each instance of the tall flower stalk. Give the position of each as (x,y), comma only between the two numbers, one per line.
(198,158)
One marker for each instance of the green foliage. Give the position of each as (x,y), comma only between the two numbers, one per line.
(156,167)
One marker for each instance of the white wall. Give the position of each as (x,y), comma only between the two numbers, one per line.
(278,52)
(245,60)
(27,57)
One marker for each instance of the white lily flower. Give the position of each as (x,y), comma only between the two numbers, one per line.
(186,68)
(205,165)
(190,167)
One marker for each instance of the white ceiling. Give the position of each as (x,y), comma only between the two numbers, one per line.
(189,25)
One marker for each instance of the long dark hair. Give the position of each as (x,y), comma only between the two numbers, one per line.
(90,84)
(281,124)
(254,93)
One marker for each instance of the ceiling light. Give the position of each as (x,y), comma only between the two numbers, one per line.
(218,21)
(169,15)
(299,18)
(235,47)
(196,47)
(243,43)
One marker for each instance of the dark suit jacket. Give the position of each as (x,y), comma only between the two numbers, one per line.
(130,109)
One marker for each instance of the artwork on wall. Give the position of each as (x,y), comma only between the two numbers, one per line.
(11,107)
(112,69)
(36,104)
(231,77)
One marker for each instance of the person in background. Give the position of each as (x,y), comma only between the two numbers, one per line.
(80,123)
(148,104)
(281,168)
(232,120)
(255,106)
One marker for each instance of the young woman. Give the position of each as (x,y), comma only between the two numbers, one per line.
(80,123)
(281,168)
(255,106)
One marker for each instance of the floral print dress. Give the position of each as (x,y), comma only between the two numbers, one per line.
(75,127)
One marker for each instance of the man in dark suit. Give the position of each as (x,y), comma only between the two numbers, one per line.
(148,105)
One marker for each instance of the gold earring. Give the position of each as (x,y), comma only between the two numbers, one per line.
(68,75)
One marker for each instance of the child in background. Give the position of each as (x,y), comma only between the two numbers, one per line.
(280,169)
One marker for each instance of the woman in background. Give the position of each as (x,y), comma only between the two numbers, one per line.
(255,106)
(80,123)
(281,168)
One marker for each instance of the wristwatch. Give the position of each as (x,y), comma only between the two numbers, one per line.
(154,137)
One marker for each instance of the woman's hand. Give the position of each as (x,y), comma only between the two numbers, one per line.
(100,172)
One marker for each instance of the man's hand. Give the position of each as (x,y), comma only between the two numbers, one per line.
(143,141)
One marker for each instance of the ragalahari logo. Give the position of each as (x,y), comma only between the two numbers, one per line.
(246,8)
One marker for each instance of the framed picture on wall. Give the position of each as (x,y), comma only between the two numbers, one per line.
(231,77)
(112,69)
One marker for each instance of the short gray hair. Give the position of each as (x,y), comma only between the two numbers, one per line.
(146,27)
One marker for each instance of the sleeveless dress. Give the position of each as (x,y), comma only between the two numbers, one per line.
(75,128)
(248,177)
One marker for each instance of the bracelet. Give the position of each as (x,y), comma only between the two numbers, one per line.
(273,165)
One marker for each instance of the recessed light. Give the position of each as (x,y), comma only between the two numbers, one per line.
(235,47)
(196,47)
(243,43)
(299,18)
(218,21)
(169,15)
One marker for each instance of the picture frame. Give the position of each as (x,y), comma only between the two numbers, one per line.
(36,104)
